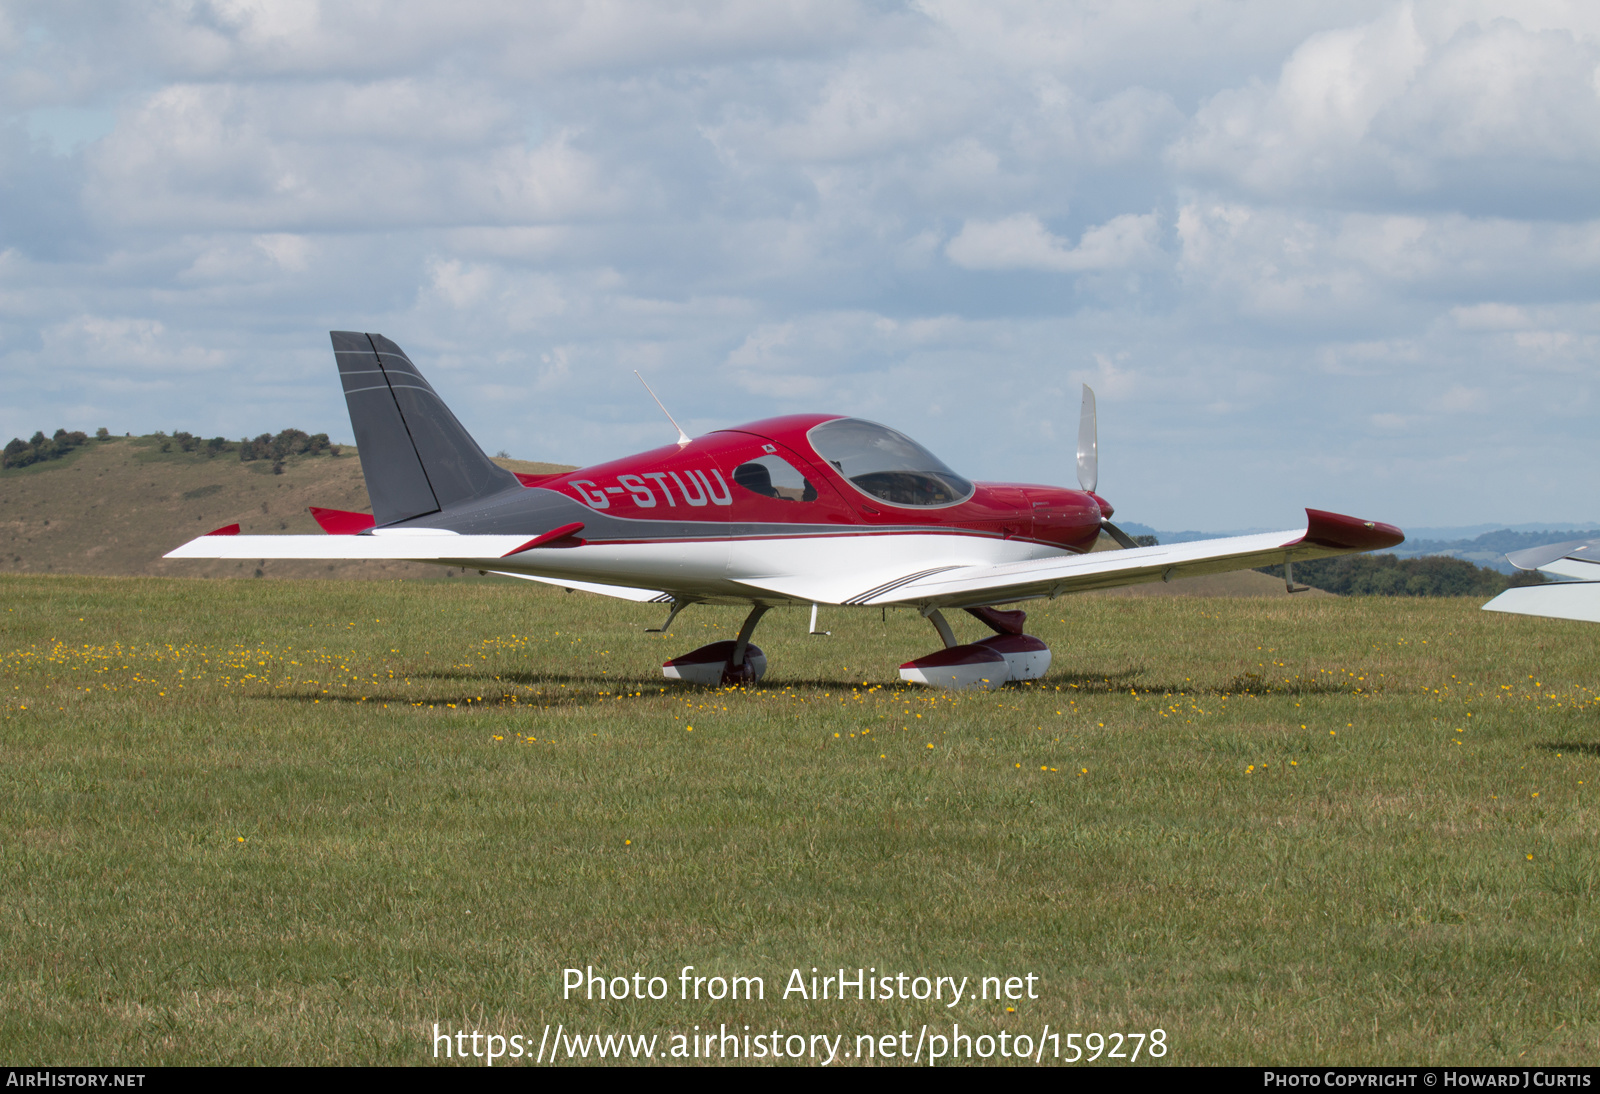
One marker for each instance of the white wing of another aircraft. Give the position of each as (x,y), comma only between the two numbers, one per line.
(1578,599)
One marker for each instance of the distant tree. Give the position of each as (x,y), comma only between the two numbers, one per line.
(1387,575)
(102,434)
(290,442)
(20,453)
(258,449)
(1502,542)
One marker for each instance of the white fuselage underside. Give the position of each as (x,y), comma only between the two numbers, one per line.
(828,569)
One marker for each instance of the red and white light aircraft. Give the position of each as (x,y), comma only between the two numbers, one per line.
(802,509)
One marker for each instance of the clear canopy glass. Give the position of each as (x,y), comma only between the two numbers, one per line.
(774,477)
(887,465)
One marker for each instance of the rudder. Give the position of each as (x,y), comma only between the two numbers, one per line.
(415,455)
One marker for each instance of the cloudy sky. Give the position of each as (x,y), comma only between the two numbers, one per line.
(1340,255)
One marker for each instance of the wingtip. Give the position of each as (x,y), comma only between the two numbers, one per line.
(183,550)
(1536,558)
(1350,533)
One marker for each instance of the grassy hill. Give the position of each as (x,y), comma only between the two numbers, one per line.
(114,507)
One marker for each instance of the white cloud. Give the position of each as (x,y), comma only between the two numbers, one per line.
(260,258)
(290,252)
(1489,316)
(460,285)
(1128,125)
(1252,225)
(124,342)
(1022,242)
(258,21)
(1458,399)
(764,364)
(876,105)
(1436,98)
(1350,267)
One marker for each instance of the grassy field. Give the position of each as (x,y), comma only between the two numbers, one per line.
(250,821)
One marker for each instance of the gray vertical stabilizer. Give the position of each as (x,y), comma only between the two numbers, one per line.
(415,456)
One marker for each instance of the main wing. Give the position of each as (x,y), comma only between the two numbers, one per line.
(958,585)
(1579,599)
(975,585)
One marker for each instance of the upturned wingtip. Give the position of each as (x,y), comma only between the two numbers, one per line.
(1327,529)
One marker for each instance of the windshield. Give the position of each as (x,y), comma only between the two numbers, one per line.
(886,464)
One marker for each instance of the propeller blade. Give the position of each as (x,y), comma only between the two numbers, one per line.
(1088,444)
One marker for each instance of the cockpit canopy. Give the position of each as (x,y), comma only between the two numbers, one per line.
(886,464)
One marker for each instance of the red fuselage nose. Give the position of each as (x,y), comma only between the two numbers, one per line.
(1064,518)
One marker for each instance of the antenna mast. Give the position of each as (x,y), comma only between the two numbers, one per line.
(683,438)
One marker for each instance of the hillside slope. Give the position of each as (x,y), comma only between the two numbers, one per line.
(115,507)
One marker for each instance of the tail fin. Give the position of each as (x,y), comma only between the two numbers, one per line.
(414,454)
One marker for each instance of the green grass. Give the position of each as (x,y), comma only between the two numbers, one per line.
(304,821)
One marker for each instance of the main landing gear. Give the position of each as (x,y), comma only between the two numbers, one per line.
(1007,655)
(736,662)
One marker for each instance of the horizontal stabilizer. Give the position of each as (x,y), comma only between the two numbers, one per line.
(419,545)
(436,546)
(341,522)
(423,545)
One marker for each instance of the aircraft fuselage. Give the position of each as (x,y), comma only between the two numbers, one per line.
(700,512)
